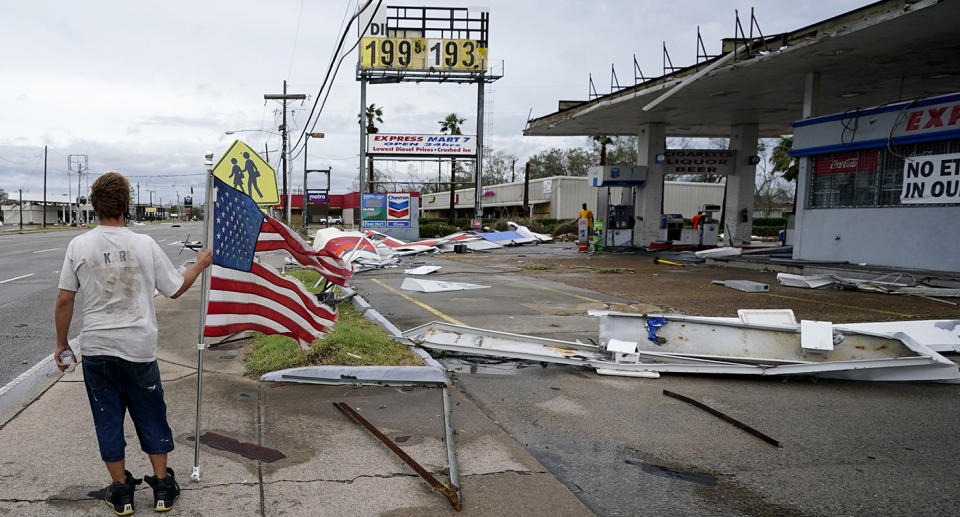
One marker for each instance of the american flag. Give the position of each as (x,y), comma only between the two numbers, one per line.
(246,295)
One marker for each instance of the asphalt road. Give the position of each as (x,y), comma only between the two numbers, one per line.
(623,448)
(29,271)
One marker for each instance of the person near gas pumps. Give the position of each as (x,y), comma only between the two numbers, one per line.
(115,272)
(587,214)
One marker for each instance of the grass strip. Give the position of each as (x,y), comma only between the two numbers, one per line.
(353,340)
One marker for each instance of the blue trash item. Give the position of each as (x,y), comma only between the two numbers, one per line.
(654,324)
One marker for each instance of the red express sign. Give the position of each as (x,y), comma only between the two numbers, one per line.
(422,145)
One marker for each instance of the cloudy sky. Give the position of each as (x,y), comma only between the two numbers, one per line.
(147,89)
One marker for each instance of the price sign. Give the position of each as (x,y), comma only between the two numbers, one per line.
(422,54)
(393,53)
(456,54)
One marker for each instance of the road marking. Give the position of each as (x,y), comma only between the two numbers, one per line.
(859,308)
(15,278)
(552,290)
(421,304)
(51,249)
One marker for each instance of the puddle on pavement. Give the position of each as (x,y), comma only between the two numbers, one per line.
(666,472)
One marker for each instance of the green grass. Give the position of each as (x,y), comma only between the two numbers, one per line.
(537,267)
(352,334)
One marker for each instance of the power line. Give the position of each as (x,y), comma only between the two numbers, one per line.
(327,78)
(296,36)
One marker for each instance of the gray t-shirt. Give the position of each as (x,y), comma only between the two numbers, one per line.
(115,271)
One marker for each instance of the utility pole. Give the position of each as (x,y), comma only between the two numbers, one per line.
(76,162)
(21,210)
(44,186)
(526,187)
(283,131)
(513,171)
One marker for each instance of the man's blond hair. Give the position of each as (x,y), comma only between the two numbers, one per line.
(110,195)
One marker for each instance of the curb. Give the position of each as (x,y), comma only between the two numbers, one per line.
(371,314)
(19,393)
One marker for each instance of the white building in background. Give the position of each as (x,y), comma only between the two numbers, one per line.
(560,197)
(58,208)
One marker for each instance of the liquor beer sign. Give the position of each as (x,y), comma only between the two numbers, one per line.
(931,179)
(421,145)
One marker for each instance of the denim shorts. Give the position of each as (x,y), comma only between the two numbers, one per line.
(115,386)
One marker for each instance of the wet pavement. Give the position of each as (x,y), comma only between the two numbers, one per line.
(623,448)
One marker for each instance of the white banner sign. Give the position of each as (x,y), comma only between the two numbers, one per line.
(423,145)
(931,179)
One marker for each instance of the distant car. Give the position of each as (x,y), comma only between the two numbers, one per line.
(333,219)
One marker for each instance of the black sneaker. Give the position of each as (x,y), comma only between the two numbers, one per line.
(119,496)
(165,491)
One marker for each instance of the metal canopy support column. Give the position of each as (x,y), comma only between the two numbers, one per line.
(363,138)
(651,141)
(811,93)
(738,209)
(477,196)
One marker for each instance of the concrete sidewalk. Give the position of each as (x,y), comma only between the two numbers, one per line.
(49,461)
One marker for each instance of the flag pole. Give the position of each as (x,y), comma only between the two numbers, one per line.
(205,289)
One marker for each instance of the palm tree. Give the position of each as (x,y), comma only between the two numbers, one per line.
(782,161)
(373,115)
(451,123)
(602,141)
(786,164)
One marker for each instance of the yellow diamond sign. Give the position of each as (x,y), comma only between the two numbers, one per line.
(243,168)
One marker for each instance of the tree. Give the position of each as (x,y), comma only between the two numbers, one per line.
(451,123)
(498,167)
(602,141)
(782,161)
(624,151)
(562,162)
(772,189)
(373,115)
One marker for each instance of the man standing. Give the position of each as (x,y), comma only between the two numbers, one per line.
(116,272)
(588,215)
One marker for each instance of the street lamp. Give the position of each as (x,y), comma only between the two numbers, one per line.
(304,213)
(266,150)
(251,131)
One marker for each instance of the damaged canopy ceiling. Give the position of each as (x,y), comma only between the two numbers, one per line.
(884,52)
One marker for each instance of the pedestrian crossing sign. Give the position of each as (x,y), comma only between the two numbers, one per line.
(247,172)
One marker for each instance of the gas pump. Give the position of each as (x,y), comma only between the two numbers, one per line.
(704,232)
(619,225)
(617,218)
(708,229)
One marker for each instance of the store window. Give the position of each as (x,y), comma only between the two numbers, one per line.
(867,178)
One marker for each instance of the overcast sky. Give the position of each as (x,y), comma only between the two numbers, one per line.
(147,89)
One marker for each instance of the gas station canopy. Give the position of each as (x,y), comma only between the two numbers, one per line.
(885,52)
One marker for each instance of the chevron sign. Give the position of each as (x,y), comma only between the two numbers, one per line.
(398,207)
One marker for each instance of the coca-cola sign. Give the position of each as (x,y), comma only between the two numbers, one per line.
(857,161)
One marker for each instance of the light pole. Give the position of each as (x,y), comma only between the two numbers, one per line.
(305,212)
